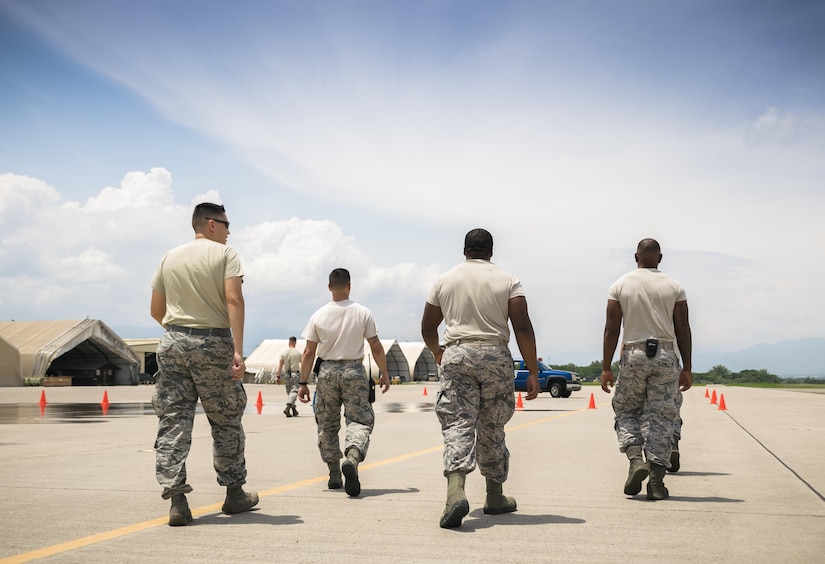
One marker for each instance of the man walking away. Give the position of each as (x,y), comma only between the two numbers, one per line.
(652,308)
(476,396)
(290,365)
(337,332)
(197,298)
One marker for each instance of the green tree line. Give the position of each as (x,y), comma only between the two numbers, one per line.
(717,375)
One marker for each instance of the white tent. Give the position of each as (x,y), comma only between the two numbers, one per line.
(266,357)
(419,359)
(87,351)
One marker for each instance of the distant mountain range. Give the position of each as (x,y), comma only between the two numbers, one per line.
(790,359)
(799,358)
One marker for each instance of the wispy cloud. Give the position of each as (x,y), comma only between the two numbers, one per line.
(570,135)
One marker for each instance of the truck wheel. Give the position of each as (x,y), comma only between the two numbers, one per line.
(566,394)
(556,389)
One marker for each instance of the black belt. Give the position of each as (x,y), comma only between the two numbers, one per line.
(479,342)
(206,332)
(666,345)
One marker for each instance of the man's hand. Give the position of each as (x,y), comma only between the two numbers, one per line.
(384,382)
(685,380)
(238,366)
(438,354)
(607,380)
(303,394)
(532,386)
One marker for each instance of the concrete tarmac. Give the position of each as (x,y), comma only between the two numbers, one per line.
(79,486)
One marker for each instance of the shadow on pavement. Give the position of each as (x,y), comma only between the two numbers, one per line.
(254,516)
(481,521)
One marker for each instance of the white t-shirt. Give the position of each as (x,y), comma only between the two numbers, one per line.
(474,298)
(647,297)
(340,328)
(192,279)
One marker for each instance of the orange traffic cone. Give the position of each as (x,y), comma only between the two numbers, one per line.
(104,403)
(425,391)
(519,403)
(260,401)
(592,404)
(43,397)
(722,406)
(707,395)
(713,398)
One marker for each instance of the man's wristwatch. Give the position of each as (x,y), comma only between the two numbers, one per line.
(303,383)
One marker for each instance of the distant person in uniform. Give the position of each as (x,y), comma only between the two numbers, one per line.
(652,308)
(290,366)
(476,396)
(197,298)
(337,332)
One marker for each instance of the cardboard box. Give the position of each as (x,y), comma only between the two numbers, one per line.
(51,381)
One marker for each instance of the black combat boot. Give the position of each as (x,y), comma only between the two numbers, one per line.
(350,469)
(674,457)
(656,485)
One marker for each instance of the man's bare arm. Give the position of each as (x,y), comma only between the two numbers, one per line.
(236,308)
(526,341)
(307,360)
(612,329)
(157,307)
(381,360)
(684,340)
(430,321)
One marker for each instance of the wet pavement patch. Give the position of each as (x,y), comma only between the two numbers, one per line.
(98,413)
(70,412)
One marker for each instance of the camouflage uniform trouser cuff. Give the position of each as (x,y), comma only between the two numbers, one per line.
(169,493)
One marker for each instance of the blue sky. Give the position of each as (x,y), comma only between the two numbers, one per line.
(373,135)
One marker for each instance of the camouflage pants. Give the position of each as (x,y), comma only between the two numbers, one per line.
(291,384)
(343,383)
(644,404)
(677,425)
(474,402)
(193,367)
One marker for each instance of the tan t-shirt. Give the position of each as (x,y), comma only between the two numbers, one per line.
(474,298)
(340,328)
(647,297)
(292,360)
(192,279)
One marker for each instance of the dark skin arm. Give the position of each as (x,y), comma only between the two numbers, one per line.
(430,321)
(684,341)
(612,329)
(526,341)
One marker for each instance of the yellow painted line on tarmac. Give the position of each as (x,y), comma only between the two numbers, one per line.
(215,507)
(85,541)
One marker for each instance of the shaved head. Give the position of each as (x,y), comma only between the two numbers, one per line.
(648,253)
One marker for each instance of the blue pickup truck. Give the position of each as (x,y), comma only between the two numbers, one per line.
(560,383)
